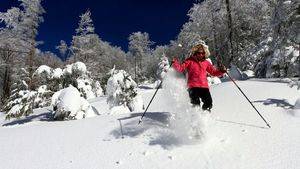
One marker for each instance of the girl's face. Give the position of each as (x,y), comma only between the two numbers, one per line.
(200,54)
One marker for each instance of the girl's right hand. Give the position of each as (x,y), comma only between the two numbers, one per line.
(175,60)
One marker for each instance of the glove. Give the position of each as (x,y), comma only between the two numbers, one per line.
(175,60)
(222,68)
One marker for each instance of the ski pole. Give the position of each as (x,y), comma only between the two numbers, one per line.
(152,99)
(180,46)
(150,103)
(220,62)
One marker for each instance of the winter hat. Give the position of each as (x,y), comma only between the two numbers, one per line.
(198,47)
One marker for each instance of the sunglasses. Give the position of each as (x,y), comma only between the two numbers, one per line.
(201,53)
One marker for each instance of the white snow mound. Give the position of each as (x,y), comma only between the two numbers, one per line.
(70,105)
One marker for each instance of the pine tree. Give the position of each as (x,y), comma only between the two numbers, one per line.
(21,101)
(139,47)
(121,89)
(63,48)
(31,19)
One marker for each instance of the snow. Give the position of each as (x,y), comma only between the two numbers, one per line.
(84,85)
(121,90)
(163,67)
(119,110)
(213,80)
(248,74)
(70,105)
(98,89)
(68,69)
(235,136)
(57,73)
(41,100)
(79,66)
(184,121)
(296,110)
(42,89)
(287,2)
(21,105)
(44,69)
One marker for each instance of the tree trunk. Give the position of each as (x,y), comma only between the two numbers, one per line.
(230,35)
(214,30)
(31,69)
(7,76)
(6,84)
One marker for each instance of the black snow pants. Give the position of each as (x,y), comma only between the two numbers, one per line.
(197,93)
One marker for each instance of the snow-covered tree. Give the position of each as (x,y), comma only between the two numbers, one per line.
(69,105)
(279,55)
(86,24)
(163,67)
(48,81)
(295,83)
(63,48)
(77,75)
(10,41)
(99,56)
(32,17)
(121,91)
(230,28)
(139,47)
(18,44)
(22,100)
(85,44)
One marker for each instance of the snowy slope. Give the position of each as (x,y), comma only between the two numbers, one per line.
(236,136)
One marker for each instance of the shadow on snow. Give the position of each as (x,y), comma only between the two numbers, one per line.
(48,116)
(278,102)
(157,123)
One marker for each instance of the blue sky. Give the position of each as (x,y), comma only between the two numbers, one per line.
(114,20)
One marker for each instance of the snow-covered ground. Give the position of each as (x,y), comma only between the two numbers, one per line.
(236,137)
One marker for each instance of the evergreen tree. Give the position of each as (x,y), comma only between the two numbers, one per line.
(121,90)
(63,48)
(139,47)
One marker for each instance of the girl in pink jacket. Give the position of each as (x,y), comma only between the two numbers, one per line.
(197,68)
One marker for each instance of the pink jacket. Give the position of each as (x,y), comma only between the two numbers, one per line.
(196,71)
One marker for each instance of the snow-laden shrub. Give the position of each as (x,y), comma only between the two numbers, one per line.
(21,105)
(85,87)
(213,80)
(44,70)
(294,83)
(282,61)
(163,67)
(121,90)
(98,89)
(297,104)
(23,102)
(248,74)
(43,97)
(77,75)
(48,81)
(69,105)
(57,73)
(78,69)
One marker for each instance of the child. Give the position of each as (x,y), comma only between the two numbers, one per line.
(197,67)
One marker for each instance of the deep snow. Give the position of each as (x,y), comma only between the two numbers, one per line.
(236,137)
